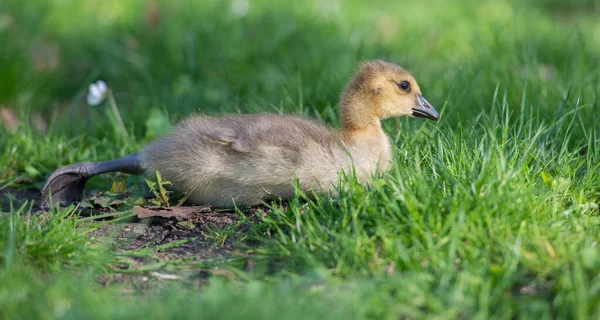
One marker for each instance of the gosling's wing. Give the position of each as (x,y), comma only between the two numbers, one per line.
(227,137)
(246,133)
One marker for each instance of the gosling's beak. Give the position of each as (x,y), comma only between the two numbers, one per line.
(424,109)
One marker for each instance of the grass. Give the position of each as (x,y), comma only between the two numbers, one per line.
(490,213)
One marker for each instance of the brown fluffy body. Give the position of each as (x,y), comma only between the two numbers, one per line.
(246,159)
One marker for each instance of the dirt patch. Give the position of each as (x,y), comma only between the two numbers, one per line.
(161,250)
(161,245)
(18,197)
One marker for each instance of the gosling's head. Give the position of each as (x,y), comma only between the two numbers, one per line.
(381,90)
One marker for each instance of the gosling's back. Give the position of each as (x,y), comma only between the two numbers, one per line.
(245,159)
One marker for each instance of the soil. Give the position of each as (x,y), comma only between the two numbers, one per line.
(191,262)
(18,197)
(206,245)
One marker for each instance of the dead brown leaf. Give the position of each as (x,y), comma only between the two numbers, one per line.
(170,212)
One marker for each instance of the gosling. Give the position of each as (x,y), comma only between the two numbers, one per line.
(246,159)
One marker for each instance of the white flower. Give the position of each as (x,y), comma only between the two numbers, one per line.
(96,93)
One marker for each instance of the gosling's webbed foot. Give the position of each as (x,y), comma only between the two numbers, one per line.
(65,185)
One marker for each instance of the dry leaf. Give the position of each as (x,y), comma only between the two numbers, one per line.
(170,212)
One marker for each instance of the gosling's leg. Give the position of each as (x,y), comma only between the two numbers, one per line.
(65,185)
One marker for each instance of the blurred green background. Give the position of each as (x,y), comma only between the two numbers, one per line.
(228,56)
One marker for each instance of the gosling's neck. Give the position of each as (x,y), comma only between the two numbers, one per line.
(363,134)
(358,123)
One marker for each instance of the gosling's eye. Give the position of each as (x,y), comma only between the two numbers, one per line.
(404,85)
